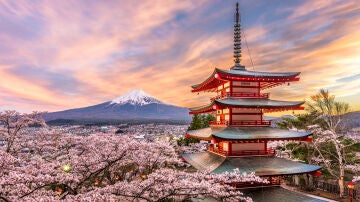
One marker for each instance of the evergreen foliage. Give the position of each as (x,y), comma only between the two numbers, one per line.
(330,147)
(186,141)
(301,121)
(201,121)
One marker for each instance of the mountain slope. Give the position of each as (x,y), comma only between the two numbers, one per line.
(134,105)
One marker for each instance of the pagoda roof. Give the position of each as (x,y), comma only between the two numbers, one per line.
(247,133)
(260,165)
(220,76)
(278,193)
(246,73)
(262,103)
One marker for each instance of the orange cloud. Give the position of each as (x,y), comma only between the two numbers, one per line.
(163,47)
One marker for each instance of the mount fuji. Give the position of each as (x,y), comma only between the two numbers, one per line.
(134,105)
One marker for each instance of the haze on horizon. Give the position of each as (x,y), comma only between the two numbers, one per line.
(58,55)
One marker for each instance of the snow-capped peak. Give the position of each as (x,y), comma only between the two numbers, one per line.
(135,97)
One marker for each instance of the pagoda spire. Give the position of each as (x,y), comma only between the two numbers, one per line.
(237,41)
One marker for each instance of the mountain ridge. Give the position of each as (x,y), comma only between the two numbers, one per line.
(135,104)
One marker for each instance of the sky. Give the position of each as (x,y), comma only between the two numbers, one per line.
(57,55)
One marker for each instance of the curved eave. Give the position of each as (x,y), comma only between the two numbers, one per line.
(254,74)
(211,83)
(262,166)
(257,103)
(202,109)
(248,103)
(248,134)
(197,137)
(269,138)
(201,134)
(267,79)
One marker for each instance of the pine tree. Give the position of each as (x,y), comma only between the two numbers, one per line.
(201,121)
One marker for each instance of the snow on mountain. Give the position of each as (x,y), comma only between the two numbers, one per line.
(134,105)
(135,97)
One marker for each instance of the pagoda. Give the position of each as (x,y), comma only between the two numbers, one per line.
(239,136)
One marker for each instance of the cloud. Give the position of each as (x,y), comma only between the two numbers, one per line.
(91,52)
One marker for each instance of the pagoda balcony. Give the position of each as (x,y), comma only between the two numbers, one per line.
(242,95)
(241,123)
(268,152)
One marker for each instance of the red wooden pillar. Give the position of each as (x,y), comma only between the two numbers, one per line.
(213,140)
(230,116)
(265,145)
(230,149)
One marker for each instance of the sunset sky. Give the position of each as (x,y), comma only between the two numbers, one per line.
(56,55)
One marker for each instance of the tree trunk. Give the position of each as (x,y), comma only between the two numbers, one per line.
(311,182)
(341,186)
(296,180)
(306,180)
(309,185)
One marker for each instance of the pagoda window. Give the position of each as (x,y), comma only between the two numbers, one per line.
(225,146)
(218,118)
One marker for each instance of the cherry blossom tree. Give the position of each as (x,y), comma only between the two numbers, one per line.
(355,168)
(329,142)
(13,124)
(192,147)
(46,165)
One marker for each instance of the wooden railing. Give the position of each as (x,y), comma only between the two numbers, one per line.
(268,152)
(242,95)
(242,123)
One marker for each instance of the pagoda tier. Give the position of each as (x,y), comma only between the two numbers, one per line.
(245,141)
(264,79)
(247,134)
(266,105)
(261,165)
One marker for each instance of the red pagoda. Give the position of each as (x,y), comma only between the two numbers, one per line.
(240,135)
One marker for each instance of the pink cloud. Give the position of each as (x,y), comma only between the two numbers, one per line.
(111,47)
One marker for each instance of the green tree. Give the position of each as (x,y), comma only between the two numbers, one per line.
(201,121)
(330,148)
(207,119)
(196,122)
(333,149)
(301,121)
(301,150)
(186,141)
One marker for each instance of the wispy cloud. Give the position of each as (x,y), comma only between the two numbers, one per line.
(63,54)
